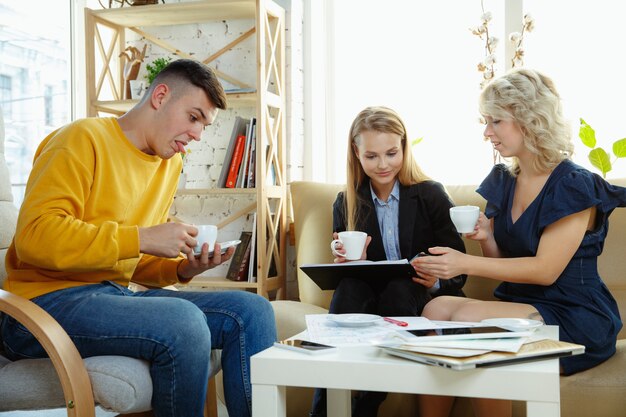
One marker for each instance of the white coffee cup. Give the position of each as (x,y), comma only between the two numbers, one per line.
(353,243)
(464,218)
(207,233)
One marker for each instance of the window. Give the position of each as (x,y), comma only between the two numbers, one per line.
(582,51)
(47,97)
(34,75)
(6,94)
(420,59)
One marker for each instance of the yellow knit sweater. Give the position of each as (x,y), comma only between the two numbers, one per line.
(88,193)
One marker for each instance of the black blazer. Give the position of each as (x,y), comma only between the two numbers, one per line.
(424,222)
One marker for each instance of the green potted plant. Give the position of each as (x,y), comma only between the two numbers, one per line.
(155,67)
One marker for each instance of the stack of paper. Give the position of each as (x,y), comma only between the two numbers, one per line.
(457,359)
(488,349)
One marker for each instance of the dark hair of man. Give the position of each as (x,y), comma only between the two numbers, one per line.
(187,71)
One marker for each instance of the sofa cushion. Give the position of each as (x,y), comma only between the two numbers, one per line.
(598,391)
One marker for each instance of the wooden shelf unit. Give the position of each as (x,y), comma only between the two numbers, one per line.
(104,94)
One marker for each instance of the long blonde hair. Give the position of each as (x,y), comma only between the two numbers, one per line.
(383,120)
(530,99)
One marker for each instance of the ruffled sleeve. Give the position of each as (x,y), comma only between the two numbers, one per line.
(578,190)
(494,189)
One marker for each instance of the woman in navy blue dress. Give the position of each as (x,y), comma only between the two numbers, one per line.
(541,234)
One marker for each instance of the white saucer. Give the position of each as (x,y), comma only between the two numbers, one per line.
(354,320)
(514,323)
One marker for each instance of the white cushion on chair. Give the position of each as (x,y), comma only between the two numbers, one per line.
(119,383)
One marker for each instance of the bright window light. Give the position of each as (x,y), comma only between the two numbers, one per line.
(420,58)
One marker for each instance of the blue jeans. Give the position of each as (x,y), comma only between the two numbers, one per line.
(173,330)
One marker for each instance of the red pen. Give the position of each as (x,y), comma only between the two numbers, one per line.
(396,322)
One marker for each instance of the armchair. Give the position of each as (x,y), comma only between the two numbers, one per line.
(65,380)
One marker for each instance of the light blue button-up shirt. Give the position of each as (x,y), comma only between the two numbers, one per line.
(388,213)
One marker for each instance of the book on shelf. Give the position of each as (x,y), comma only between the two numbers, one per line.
(237,271)
(233,170)
(252,163)
(252,262)
(243,169)
(239,128)
(327,276)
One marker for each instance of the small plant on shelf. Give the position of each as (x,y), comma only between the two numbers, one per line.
(155,67)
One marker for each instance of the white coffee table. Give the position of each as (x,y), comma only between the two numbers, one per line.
(369,369)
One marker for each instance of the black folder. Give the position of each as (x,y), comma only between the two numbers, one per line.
(327,276)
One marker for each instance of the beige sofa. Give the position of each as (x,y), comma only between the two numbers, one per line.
(598,392)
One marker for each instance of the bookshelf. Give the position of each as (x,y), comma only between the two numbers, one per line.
(105,95)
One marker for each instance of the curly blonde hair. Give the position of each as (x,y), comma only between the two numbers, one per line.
(383,120)
(530,99)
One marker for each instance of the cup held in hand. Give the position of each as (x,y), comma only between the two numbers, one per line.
(353,244)
(206,233)
(464,218)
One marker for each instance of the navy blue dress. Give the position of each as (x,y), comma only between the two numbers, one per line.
(578,301)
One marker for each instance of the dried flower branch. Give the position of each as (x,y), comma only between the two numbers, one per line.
(487,65)
(517,38)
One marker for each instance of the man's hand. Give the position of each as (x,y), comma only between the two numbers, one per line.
(168,240)
(193,265)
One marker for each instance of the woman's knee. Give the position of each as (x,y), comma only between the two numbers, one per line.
(471,310)
(439,308)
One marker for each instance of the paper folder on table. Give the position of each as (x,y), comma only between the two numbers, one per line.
(327,276)
(532,351)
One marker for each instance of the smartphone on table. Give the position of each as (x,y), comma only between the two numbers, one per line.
(305,346)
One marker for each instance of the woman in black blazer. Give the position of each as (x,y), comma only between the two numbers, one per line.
(403,213)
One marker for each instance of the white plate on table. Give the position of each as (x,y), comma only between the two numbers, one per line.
(355,320)
(514,323)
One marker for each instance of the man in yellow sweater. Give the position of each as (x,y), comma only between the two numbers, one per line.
(94,218)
